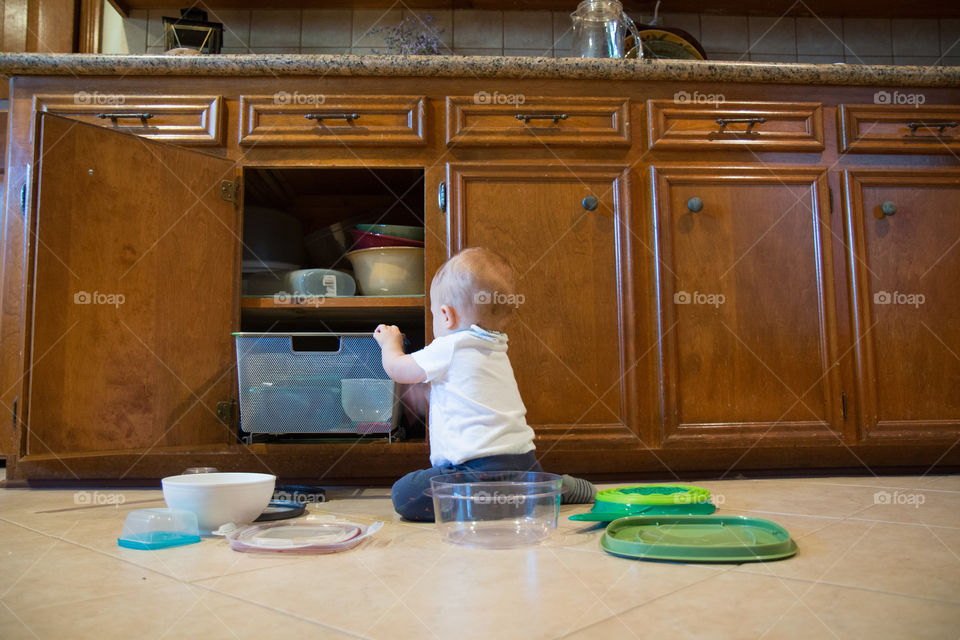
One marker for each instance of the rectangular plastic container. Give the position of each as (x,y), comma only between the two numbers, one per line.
(292,382)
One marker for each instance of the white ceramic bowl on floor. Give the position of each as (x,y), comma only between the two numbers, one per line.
(219,498)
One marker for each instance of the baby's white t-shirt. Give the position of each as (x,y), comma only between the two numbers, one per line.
(475,406)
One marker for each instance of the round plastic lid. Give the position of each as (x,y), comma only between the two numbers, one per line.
(292,536)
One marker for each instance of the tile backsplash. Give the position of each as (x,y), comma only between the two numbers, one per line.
(547,33)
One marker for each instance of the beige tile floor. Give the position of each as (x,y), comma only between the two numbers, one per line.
(865,569)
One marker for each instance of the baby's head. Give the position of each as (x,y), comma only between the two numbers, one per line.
(472,287)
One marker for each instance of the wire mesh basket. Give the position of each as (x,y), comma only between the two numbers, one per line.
(294,383)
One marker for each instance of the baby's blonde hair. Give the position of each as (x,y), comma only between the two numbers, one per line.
(479,284)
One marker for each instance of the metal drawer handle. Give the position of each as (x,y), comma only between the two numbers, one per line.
(116,116)
(939,126)
(723,122)
(695,205)
(527,117)
(320,117)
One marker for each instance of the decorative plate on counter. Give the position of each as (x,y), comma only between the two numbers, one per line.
(658,43)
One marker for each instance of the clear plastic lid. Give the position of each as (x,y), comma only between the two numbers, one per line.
(311,536)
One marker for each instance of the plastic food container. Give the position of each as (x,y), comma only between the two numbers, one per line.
(496,509)
(366,240)
(150,529)
(292,382)
(396,230)
(328,246)
(301,282)
(369,403)
(389,271)
(270,238)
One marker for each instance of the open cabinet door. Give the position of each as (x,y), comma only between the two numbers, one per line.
(132,293)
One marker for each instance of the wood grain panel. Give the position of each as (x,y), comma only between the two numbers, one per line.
(519,120)
(286,118)
(905,300)
(567,344)
(185,120)
(705,122)
(894,128)
(134,293)
(746,305)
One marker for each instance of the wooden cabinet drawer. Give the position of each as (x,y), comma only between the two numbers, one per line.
(300,119)
(177,119)
(878,128)
(762,126)
(515,119)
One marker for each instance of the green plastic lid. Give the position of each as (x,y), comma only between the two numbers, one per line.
(648,499)
(656,494)
(698,539)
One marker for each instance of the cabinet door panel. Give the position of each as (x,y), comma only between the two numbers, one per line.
(746,304)
(134,293)
(567,343)
(906,301)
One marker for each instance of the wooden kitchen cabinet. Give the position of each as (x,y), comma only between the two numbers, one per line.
(625,221)
(564,228)
(904,231)
(133,290)
(746,305)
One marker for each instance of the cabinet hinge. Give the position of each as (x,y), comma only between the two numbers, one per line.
(230,191)
(15,399)
(24,191)
(225,411)
(843,403)
(442,196)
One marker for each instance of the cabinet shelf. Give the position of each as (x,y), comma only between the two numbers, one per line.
(359,308)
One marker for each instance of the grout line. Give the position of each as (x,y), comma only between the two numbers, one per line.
(648,602)
(740,569)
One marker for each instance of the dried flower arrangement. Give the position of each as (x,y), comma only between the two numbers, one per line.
(412,37)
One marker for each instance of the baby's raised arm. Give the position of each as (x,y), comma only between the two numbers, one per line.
(399,366)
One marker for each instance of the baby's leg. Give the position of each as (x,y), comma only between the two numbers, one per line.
(409,497)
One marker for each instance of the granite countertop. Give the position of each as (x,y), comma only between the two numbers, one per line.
(32,64)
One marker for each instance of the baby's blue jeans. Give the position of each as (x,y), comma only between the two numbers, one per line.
(408,493)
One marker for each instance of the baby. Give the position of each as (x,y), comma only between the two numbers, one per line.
(477,418)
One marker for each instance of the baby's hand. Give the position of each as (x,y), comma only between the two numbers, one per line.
(388,335)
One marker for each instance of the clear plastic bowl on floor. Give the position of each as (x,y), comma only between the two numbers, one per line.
(496,509)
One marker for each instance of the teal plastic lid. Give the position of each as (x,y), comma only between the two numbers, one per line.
(149,529)
(157,540)
(698,539)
